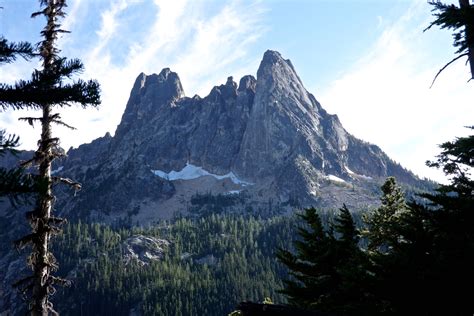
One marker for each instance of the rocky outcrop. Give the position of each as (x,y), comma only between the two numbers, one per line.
(144,249)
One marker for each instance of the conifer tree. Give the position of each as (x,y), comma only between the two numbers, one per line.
(399,249)
(310,267)
(329,270)
(452,222)
(45,91)
(345,226)
(355,282)
(428,259)
(381,223)
(461,20)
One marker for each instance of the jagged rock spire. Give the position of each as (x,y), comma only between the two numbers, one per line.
(148,94)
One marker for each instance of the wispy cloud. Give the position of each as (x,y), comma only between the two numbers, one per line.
(71,17)
(183,35)
(218,43)
(109,25)
(385,97)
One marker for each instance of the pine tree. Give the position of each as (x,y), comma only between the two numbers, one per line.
(354,290)
(345,226)
(44,91)
(329,270)
(461,20)
(423,253)
(310,267)
(381,223)
(401,278)
(452,221)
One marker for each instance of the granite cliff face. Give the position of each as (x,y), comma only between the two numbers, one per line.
(265,143)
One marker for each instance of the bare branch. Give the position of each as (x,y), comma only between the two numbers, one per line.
(60,281)
(23,281)
(63,124)
(27,163)
(22,242)
(68,181)
(31,120)
(445,66)
(56,220)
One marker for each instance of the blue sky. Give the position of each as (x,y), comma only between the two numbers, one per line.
(368,61)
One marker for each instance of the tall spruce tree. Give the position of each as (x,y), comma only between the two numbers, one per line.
(311,267)
(428,261)
(452,222)
(381,223)
(328,270)
(399,246)
(45,91)
(461,20)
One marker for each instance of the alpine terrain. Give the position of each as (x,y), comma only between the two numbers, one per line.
(263,145)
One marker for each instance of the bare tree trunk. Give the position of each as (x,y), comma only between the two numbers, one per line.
(44,261)
(464,4)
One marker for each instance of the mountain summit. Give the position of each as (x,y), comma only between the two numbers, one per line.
(264,145)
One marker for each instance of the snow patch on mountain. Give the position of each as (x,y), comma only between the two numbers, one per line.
(352,173)
(232,192)
(57,170)
(334,178)
(191,171)
(349,170)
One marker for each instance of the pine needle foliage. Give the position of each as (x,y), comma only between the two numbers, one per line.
(382,222)
(9,51)
(461,21)
(14,183)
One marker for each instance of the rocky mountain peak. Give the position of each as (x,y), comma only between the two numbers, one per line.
(149,93)
(265,139)
(247,83)
(271,57)
(231,83)
(274,64)
(165,86)
(285,120)
(276,77)
(230,88)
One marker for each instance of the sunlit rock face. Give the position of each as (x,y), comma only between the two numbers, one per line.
(266,138)
(143,249)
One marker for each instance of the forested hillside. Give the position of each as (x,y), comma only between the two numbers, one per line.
(211,264)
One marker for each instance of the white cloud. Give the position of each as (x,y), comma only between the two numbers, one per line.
(218,44)
(183,36)
(109,23)
(71,17)
(385,97)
